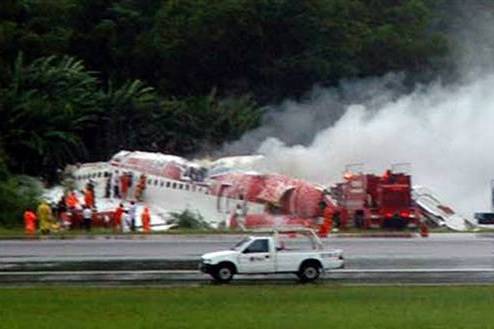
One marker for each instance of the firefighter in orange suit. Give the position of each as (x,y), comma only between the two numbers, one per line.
(30,222)
(71,201)
(424,229)
(117,218)
(89,198)
(327,224)
(146,221)
(141,186)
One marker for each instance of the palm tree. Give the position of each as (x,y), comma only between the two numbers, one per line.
(125,118)
(46,106)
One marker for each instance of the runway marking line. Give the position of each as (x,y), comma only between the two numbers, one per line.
(349,271)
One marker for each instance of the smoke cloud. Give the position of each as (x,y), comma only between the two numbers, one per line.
(299,122)
(444,131)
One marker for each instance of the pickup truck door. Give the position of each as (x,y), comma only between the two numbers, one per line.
(257,257)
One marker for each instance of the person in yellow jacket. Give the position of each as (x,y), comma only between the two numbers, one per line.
(44,217)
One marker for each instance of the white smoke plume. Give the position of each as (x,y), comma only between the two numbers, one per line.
(445,131)
(299,122)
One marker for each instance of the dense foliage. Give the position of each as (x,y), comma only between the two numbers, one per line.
(81,79)
(17,193)
(189,220)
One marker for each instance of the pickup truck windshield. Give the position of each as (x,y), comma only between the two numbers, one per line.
(241,243)
(259,245)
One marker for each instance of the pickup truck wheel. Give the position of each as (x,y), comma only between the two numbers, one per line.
(223,273)
(309,272)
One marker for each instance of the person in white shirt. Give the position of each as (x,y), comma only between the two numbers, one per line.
(125,221)
(87,215)
(132,215)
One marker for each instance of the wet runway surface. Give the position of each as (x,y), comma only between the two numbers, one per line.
(441,258)
(439,251)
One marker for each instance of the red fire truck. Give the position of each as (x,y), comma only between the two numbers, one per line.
(369,201)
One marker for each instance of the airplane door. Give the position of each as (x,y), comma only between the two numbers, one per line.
(222,199)
(257,258)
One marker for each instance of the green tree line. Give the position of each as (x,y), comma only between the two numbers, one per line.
(82,79)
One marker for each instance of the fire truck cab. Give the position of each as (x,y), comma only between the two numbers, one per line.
(370,201)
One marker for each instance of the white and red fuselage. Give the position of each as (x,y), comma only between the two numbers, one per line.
(246,199)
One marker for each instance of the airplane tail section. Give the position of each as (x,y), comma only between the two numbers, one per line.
(438,212)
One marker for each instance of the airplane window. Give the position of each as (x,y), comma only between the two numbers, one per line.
(162,184)
(99,174)
(168,184)
(181,186)
(107,174)
(174,185)
(260,245)
(155,182)
(150,181)
(187,187)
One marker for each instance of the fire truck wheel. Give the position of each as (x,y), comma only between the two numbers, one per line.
(309,272)
(224,273)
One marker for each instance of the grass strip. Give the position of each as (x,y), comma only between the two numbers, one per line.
(300,306)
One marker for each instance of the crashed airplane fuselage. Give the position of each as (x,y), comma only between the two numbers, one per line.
(221,196)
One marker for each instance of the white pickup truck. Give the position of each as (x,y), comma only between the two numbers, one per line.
(268,253)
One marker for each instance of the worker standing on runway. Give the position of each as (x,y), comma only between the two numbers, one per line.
(132,216)
(146,220)
(71,201)
(87,215)
(30,222)
(237,218)
(424,229)
(327,224)
(141,186)
(117,218)
(89,198)
(45,217)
